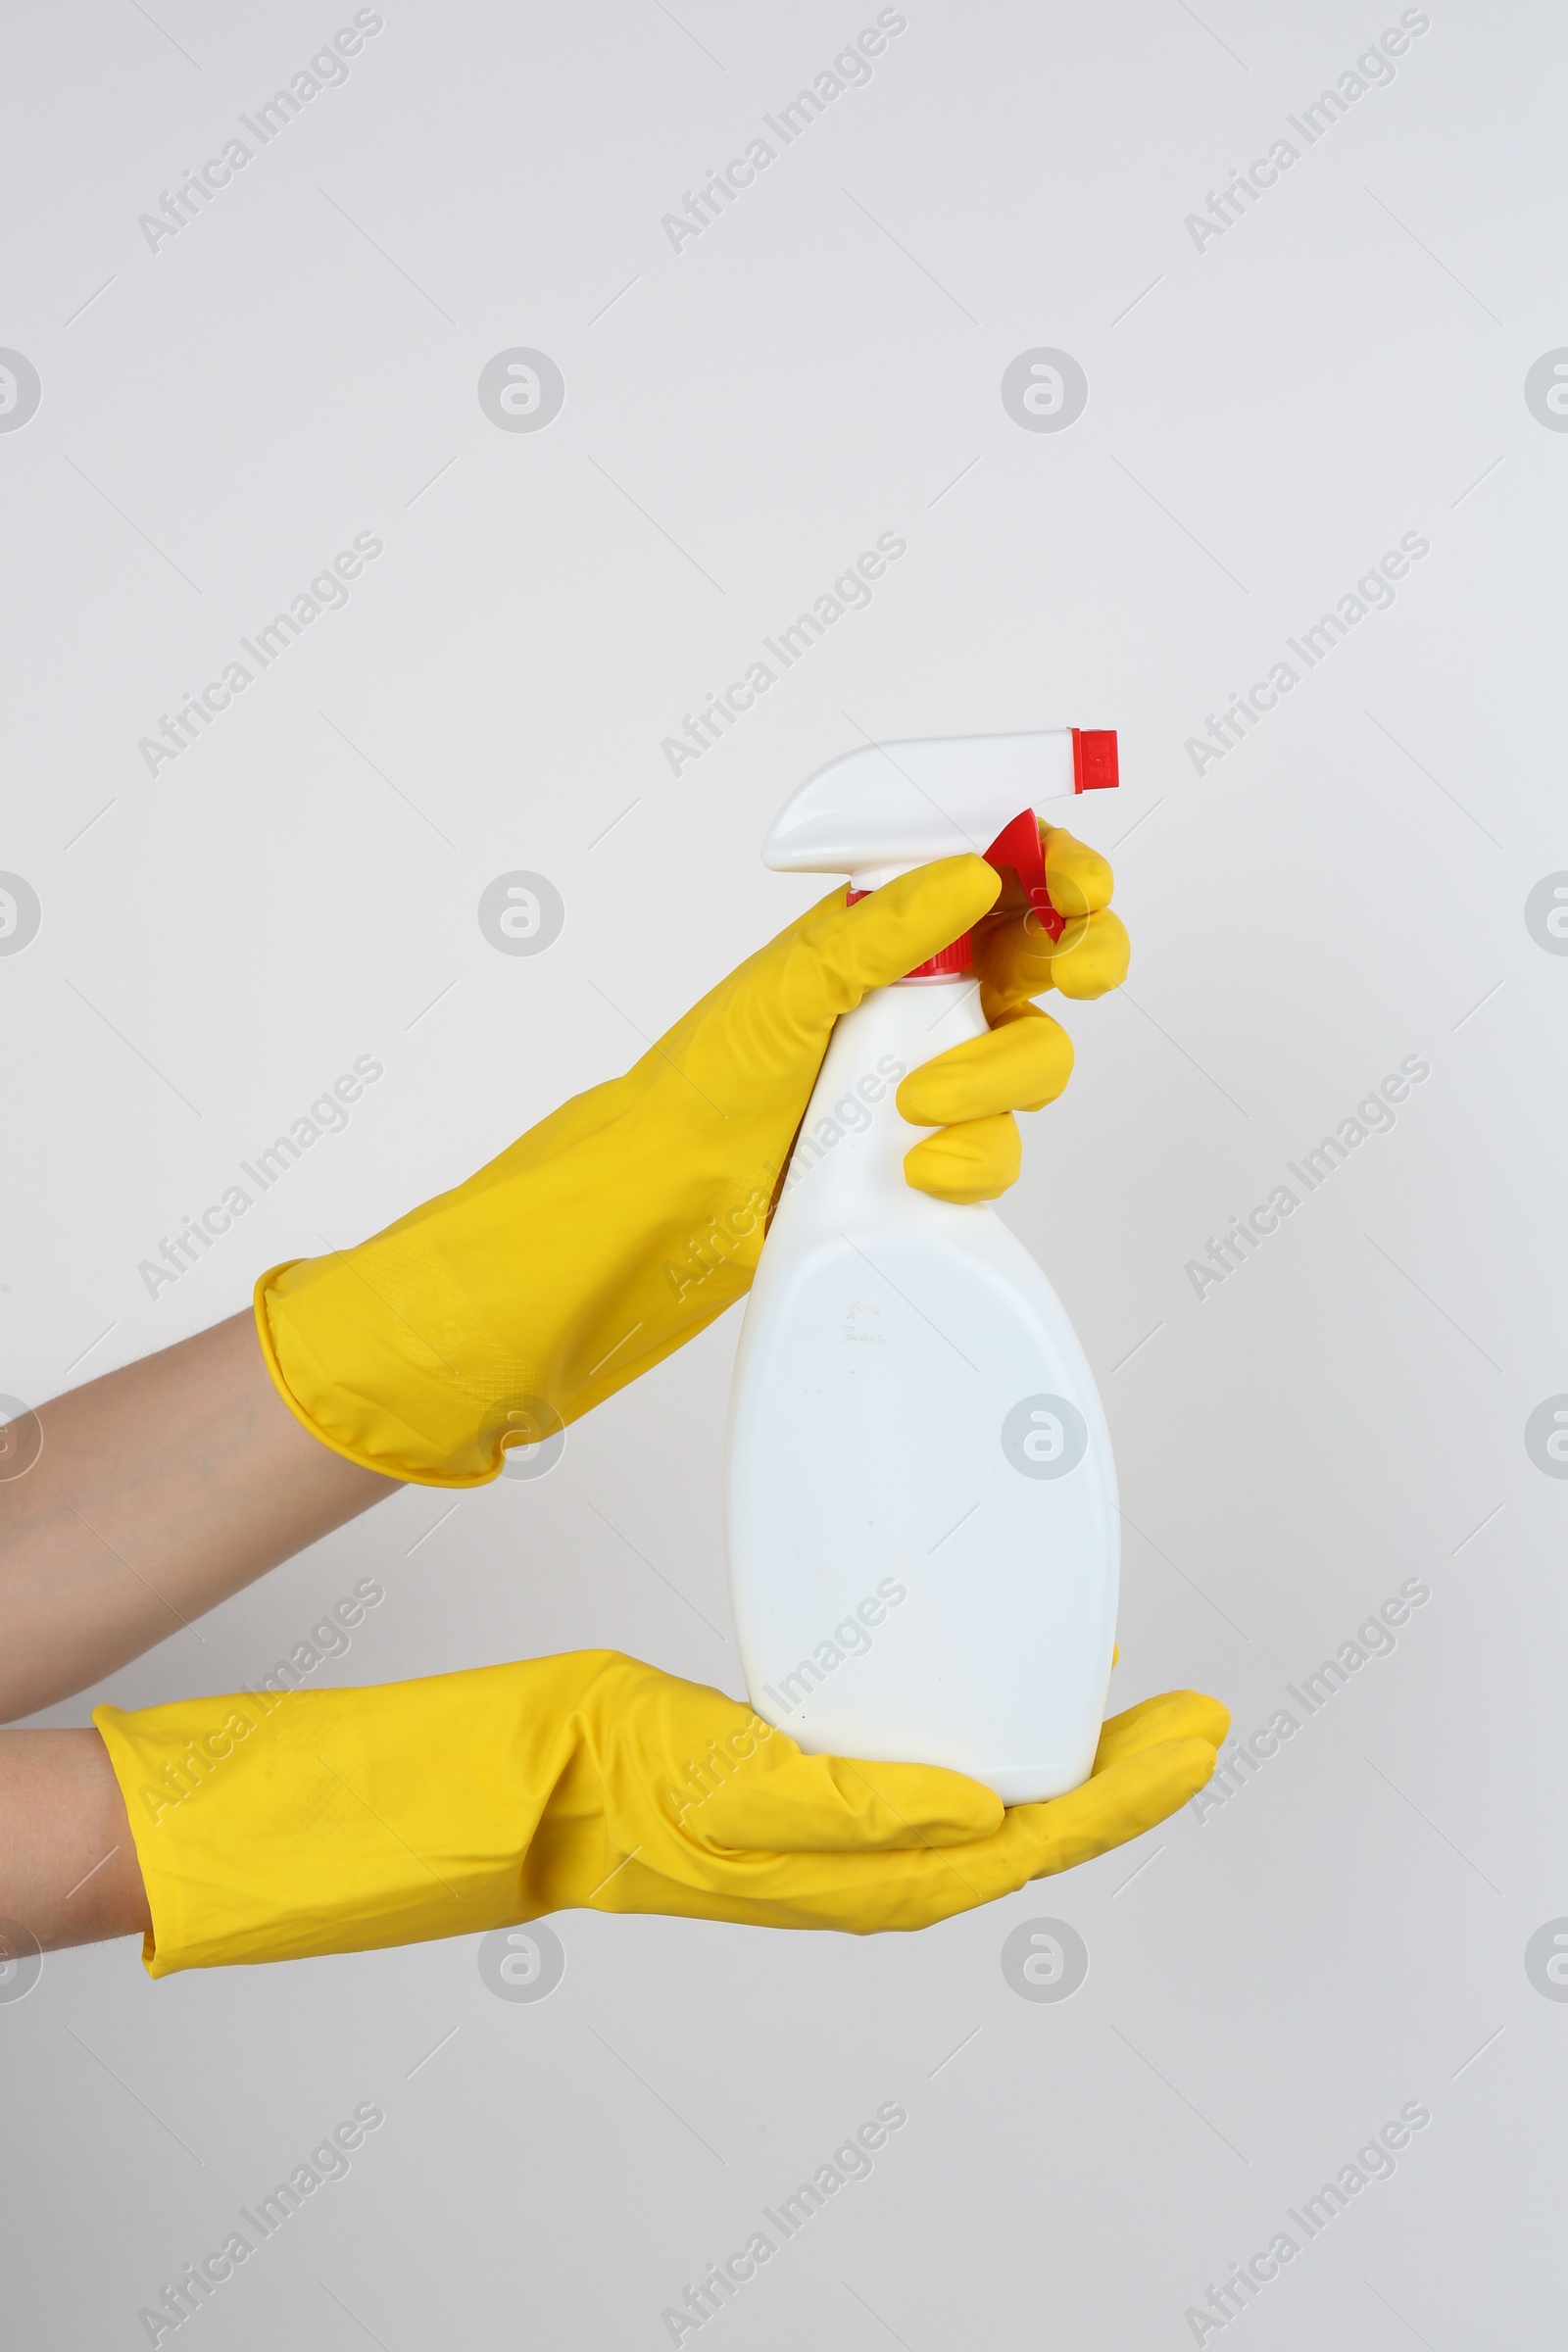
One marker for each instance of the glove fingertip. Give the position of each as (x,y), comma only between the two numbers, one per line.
(1078,878)
(1093,956)
(974,1160)
(1159,1779)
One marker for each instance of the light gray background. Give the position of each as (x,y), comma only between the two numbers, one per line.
(1265,418)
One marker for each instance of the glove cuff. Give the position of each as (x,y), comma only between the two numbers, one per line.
(510,1305)
(279,1826)
(363,1427)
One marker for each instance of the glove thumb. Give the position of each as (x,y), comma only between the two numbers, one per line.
(793,1803)
(840,953)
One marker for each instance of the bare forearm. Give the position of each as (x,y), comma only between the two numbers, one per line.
(159,1490)
(68,1867)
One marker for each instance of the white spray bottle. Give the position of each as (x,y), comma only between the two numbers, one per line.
(919,1494)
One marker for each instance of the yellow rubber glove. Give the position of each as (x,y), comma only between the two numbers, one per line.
(626,1221)
(1016,958)
(328,1821)
(1025,1060)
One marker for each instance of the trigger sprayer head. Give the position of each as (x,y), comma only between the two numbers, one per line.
(876,812)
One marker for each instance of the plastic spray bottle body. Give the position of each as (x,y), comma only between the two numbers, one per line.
(920,1496)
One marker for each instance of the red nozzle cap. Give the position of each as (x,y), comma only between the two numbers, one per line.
(1094,760)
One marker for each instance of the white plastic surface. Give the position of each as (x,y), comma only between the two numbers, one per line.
(878,810)
(916,1574)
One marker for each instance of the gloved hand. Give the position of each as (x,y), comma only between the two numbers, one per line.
(629,1218)
(970,1093)
(347,1820)
(1016,958)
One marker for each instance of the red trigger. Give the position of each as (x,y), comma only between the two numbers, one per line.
(1018,845)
